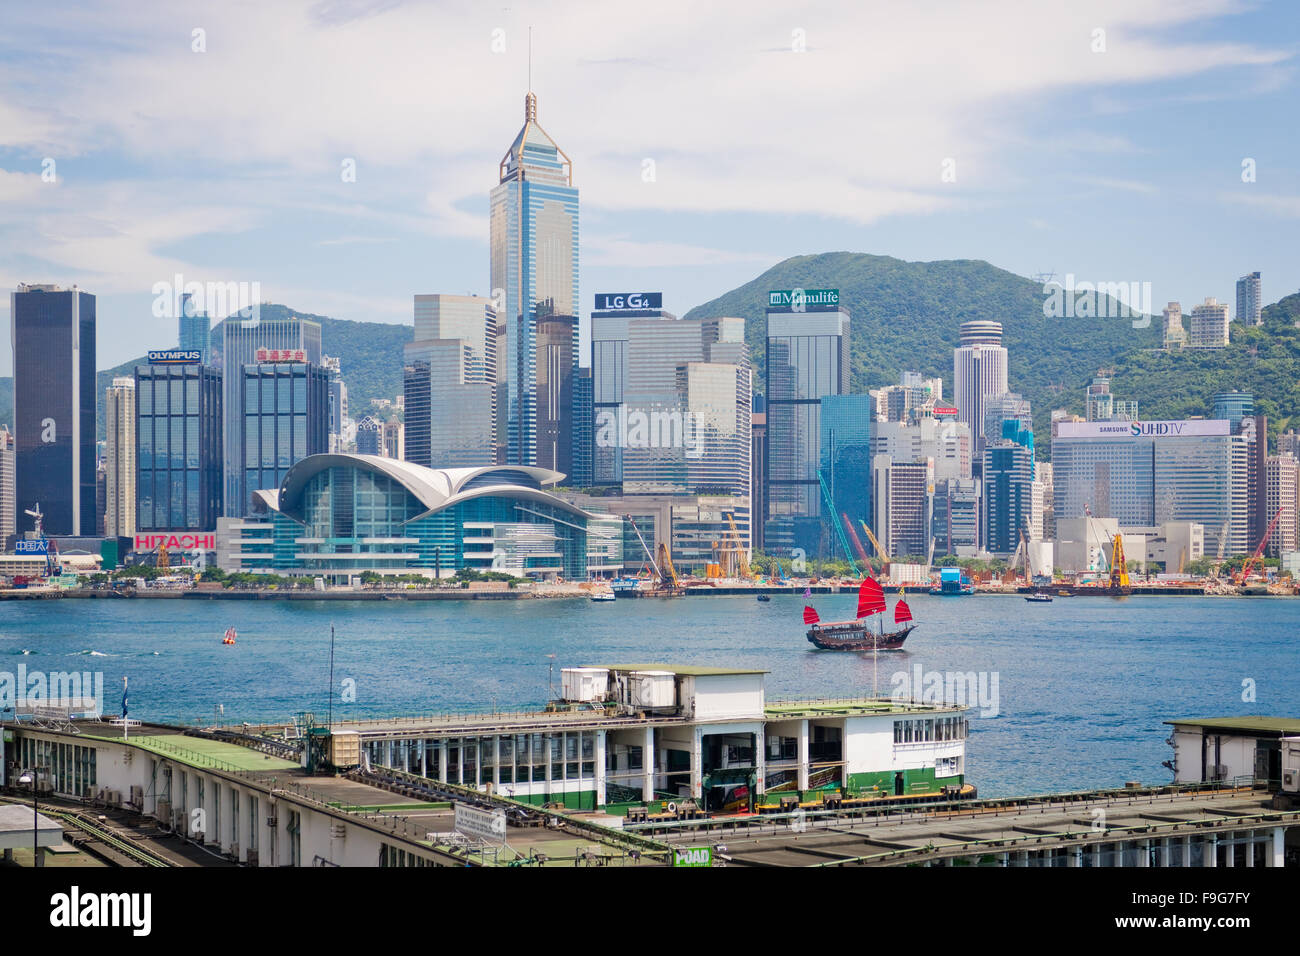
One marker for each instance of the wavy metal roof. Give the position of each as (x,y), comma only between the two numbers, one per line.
(435,488)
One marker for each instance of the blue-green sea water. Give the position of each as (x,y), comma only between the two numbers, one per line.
(1083,684)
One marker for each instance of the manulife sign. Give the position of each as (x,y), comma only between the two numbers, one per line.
(799,299)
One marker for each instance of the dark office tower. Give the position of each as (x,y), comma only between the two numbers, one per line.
(53,338)
(807,359)
(242,340)
(556,337)
(178,447)
(193,329)
(370,436)
(1008,486)
(285,414)
(583,429)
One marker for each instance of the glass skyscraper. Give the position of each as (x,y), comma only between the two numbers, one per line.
(534,261)
(807,359)
(53,337)
(178,447)
(285,418)
(194,329)
(241,340)
(846,425)
(449,375)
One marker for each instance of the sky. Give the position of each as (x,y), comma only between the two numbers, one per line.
(1114,140)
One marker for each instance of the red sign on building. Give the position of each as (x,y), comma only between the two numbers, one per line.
(188,541)
(281,355)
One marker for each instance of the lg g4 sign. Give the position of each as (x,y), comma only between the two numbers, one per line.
(628,301)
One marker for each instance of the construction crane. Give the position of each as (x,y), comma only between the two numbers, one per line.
(645,547)
(742,558)
(1119,580)
(929,555)
(1242,576)
(853,537)
(38,533)
(835,523)
(670,579)
(884,555)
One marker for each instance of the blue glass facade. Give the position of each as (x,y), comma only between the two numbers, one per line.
(178,447)
(352,515)
(533,216)
(846,452)
(284,417)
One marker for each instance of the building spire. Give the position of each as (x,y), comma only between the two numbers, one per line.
(530,107)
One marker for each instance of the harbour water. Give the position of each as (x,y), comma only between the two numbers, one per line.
(1080,686)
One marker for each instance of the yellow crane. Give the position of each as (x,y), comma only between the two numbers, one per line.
(668,574)
(742,559)
(1118,567)
(876,544)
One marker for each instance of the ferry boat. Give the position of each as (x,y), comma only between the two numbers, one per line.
(953,582)
(1039,597)
(857,635)
(605,595)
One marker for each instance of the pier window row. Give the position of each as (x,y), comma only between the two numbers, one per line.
(930,729)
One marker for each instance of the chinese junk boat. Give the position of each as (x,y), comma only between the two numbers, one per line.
(858,635)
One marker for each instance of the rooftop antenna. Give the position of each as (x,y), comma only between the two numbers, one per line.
(530,59)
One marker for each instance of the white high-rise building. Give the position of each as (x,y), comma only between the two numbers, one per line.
(1209,325)
(7,523)
(119,458)
(979,369)
(1282,477)
(1250,304)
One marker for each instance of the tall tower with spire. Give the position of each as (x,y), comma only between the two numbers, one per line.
(534,271)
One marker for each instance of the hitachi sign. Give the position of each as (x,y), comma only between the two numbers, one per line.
(176,542)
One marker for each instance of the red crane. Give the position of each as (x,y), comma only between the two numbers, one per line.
(1244,574)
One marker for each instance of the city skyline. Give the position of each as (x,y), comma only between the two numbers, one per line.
(122,214)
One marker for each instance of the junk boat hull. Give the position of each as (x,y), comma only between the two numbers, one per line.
(856,636)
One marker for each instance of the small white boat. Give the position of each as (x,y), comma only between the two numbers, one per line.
(603,596)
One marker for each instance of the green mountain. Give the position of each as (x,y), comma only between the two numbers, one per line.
(370,354)
(1263,360)
(907,316)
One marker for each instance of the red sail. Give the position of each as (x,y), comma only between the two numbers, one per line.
(902,612)
(810,616)
(871,598)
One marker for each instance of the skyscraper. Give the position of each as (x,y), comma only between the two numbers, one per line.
(241,341)
(584,425)
(119,458)
(610,322)
(1250,304)
(285,417)
(557,342)
(533,217)
(448,382)
(194,329)
(1008,495)
(1209,328)
(683,426)
(807,359)
(979,369)
(53,337)
(338,398)
(179,444)
(846,424)
(8,525)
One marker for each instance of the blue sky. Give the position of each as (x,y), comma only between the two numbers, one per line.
(773,129)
